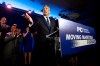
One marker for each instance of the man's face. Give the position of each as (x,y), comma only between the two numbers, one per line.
(3,20)
(46,11)
(19,30)
(13,28)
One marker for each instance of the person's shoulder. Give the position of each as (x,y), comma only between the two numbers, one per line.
(39,18)
(51,18)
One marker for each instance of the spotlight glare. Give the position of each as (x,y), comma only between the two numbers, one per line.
(9,6)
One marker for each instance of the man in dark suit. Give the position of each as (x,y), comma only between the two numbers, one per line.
(11,49)
(3,30)
(44,25)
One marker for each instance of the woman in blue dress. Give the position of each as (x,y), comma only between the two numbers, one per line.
(27,45)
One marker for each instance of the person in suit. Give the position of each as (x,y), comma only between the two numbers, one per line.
(10,51)
(43,25)
(4,28)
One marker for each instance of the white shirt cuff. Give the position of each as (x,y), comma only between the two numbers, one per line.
(31,22)
(30,25)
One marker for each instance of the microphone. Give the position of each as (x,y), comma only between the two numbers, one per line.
(51,34)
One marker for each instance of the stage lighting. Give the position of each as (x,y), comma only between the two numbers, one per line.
(9,6)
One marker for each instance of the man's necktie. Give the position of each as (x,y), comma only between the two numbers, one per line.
(48,22)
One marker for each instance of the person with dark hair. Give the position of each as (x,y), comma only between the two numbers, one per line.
(4,28)
(11,49)
(27,42)
(44,48)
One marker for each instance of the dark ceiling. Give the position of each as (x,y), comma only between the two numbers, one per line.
(69,4)
(87,8)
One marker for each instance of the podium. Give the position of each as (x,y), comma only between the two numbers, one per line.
(57,46)
(75,37)
(55,36)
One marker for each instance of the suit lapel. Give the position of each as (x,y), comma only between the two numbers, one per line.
(45,23)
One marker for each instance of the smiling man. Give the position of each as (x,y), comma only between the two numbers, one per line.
(44,52)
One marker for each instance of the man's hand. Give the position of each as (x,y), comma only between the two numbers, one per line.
(26,16)
(5,26)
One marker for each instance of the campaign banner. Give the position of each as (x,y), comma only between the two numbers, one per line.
(75,37)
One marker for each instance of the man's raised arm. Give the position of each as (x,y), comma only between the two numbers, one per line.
(26,16)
